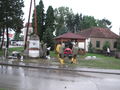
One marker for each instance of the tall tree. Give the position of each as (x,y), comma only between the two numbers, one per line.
(87,22)
(104,23)
(40,19)
(12,15)
(70,22)
(77,23)
(49,22)
(49,27)
(60,19)
(17,36)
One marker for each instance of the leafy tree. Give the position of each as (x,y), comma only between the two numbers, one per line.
(87,22)
(90,48)
(49,23)
(17,36)
(70,22)
(49,27)
(40,19)
(12,15)
(77,23)
(60,19)
(106,45)
(104,23)
(48,38)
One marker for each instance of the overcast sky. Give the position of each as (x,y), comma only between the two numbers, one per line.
(108,9)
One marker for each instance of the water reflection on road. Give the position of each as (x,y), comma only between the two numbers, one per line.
(18,78)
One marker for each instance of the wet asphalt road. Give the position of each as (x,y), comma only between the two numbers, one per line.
(18,78)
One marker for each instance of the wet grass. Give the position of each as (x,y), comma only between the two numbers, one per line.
(19,49)
(10,50)
(3,89)
(103,61)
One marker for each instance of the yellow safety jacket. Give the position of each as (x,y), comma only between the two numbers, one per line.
(58,48)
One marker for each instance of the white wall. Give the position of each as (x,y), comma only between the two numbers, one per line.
(82,44)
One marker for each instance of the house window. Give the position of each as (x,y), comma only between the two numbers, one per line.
(97,44)
(115,45)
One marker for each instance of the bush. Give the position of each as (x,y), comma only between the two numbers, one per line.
(90,48)
(106,45)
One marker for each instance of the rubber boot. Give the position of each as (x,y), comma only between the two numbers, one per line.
(58,55)
(74,61)
(61,61)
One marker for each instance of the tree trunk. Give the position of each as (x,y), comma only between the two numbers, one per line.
(7,44)
(2,38)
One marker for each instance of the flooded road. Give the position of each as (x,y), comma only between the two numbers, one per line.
(18,78)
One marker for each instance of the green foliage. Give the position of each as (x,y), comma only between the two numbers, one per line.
(87,22)
(17,36)
(104,23)
(70,22)
(11,15)
(49,22)
(49,27)
(77,21)
(48,38)
(106,45)
(90,48)
(60,19)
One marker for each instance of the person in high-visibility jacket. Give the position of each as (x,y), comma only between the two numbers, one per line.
(58,48)
(74,53)
(60,51)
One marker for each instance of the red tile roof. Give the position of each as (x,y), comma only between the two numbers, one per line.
(97,32)
(70,35)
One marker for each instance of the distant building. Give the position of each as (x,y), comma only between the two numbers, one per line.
(98,36)
(30,31)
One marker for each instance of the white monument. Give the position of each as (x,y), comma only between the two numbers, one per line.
(34,46)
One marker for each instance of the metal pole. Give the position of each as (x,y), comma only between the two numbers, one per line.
(35,16)
(28,25)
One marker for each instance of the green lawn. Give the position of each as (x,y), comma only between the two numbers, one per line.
(102,62)
(16,49)
(3,89)
(12,49)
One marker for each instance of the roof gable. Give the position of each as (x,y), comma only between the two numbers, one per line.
(70,35)
(96,32)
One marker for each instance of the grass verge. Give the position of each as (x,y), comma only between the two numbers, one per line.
(105,62)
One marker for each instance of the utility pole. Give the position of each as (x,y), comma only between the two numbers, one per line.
(35,22)
(28,26)
(35,16)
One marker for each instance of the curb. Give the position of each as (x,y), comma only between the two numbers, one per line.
(63,69)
